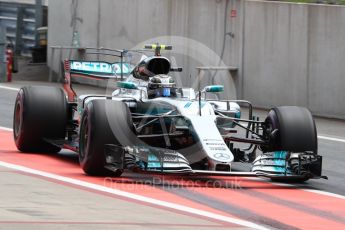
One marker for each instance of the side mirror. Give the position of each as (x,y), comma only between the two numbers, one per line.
(127,85)
(176,69)
(213,89)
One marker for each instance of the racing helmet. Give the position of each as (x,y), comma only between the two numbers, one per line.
(161,86)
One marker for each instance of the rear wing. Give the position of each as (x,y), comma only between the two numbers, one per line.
(106,70)
(98,69)
(101,70)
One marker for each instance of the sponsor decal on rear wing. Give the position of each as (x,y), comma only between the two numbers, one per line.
(100,69)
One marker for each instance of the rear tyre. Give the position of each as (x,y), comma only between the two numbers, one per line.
(40,113)
(295,129)
(103,122)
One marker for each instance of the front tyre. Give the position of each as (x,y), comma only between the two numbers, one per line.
(96,130)
(291,128)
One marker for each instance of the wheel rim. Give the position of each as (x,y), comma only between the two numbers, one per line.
(84,137)
(17,119)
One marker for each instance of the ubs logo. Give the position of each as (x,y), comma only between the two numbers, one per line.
(221,156)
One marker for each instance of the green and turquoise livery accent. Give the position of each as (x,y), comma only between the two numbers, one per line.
(214,88)
(188,104)
(126,85)
(153,162)
(280,161)
(101,68)
(238,114)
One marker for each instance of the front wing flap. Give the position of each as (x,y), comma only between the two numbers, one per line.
(153,160)
(146,159)
(283,164)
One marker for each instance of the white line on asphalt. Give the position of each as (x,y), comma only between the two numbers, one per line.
(9,88)
(6,129)
(134,196)
(325,193)
(331,138)
(280,184)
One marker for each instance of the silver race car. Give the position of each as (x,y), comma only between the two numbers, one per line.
(149,125)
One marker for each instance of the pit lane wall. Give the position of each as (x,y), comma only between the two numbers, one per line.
(123,24)
(294,54)
(287,54)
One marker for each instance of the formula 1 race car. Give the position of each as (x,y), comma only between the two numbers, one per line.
(149,125)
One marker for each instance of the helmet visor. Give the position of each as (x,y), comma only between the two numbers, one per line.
(166,92)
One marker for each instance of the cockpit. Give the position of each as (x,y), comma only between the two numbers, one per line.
(161,86)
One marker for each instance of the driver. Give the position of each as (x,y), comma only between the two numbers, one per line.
(161,86)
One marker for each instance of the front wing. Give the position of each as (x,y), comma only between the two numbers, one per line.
(152,160)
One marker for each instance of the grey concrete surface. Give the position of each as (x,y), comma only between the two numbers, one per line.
(28,71)
(293,56)
(34,203)
(3,65)
(7,99)
(326,60)
(275,54)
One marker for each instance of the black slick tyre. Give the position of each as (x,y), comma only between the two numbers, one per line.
(103,122)
(296,129)
(40,113)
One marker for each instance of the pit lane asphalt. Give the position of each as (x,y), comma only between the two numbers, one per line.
(41,196)
(333,152)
